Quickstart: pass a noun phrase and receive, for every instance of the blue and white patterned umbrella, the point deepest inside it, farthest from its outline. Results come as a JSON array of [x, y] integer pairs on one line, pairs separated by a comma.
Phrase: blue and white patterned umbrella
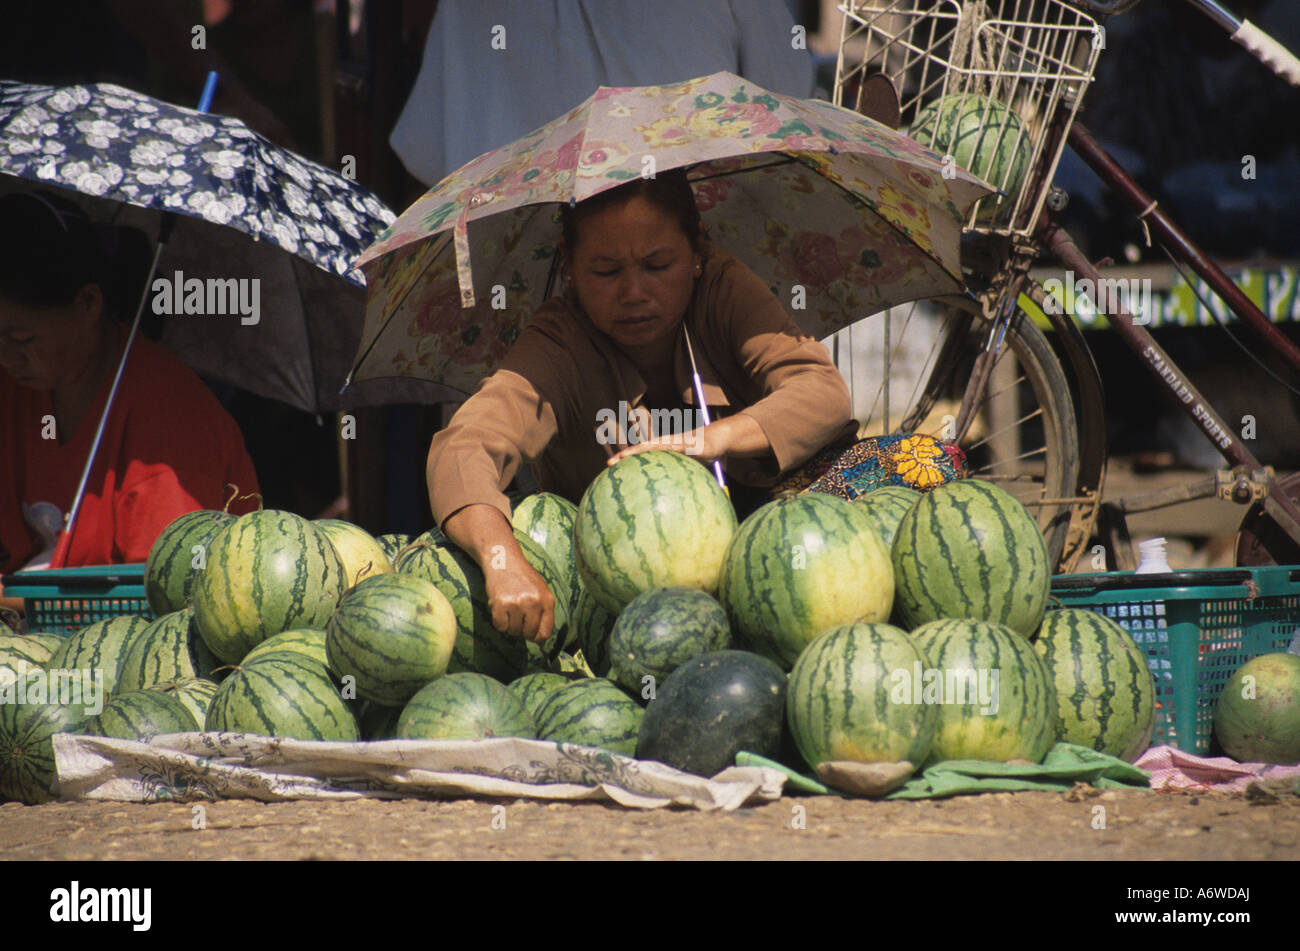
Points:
[[245, 208]]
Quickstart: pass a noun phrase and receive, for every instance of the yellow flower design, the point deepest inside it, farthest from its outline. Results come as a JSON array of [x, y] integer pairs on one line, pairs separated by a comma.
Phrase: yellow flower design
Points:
[[914, 461]]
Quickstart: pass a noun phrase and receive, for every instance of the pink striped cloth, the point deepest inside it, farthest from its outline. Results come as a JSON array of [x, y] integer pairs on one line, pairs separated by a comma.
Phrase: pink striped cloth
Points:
[[1175, 769]]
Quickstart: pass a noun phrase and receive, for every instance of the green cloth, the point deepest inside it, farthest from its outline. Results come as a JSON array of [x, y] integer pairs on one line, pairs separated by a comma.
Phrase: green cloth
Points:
[[1063, 766]]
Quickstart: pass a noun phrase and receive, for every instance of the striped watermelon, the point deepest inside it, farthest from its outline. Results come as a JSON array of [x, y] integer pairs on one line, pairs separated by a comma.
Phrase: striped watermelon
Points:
[[1257, 716], [430, 539], [886, 508], [840, 700], [1105, 694], [168, 649], [969, 549], [591, 712], [29, 650], [548, 519], [141, 714], [27, 750], [267, 572], [592, 626], [533, 689], [282, 694], [392, 545], [394, 633], [100, 646], [480, 647], [464, 706], [178, 553], [655, 520], [195, 695], [982, 135], [800, 566], [660, 630], [980, 717], [360, 553], [308, 641]]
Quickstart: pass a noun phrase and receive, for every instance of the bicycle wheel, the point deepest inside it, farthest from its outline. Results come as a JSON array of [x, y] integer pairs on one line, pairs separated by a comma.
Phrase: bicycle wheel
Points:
[[1020, 427]]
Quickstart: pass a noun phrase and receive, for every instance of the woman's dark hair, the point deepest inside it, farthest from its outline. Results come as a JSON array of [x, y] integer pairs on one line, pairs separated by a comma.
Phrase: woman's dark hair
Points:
[[669, 191], [50, 249]]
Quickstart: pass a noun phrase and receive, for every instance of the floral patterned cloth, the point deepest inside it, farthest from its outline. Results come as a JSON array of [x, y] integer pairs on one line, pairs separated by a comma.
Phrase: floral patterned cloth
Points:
[[851, 470], [841, 217]]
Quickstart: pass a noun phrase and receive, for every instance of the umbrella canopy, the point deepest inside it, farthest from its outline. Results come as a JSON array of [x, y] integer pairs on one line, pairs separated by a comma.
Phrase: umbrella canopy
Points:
[[836, 212], [247, 210]]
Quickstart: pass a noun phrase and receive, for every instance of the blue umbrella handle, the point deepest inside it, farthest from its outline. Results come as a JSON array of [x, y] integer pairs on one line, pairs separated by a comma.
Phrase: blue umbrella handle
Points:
[[209, 88]]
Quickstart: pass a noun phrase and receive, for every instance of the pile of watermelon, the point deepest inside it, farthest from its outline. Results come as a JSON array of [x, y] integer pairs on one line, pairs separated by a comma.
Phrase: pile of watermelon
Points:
[[900, 626]]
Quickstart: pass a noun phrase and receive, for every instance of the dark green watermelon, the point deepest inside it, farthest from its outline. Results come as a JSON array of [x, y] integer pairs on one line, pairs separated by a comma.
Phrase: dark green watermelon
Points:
[[660, 630], [711, 708], [592, 628]]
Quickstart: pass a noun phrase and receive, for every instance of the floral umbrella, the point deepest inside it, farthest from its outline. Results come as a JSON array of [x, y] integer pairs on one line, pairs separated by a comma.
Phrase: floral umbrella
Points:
[[246, 209], [811, 196]]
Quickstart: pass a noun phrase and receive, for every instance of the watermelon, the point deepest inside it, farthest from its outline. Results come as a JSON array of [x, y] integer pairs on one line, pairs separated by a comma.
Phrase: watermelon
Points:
[[141, 714], [27, 750], [533, 689], [592, 626], [660, 630], [392, 545], [394, 633], [1257, 717], [29, 650], [195, 695], [378, 722], [1105, 694], [168, 649], [841, 703], [100, 646], [656, 519], [267, 572], [800, 566], [968, 549], [432, 538], [480, 647], [886, 508], [982, 135], [548, 519], [591, 712], [994, 697], [308, 641], [360, 553], [464, 706], [177, 555], [282, 694], [712, 707]]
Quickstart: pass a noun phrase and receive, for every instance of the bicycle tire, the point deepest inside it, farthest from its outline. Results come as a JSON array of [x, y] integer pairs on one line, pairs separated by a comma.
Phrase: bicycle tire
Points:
[[1044, 416]]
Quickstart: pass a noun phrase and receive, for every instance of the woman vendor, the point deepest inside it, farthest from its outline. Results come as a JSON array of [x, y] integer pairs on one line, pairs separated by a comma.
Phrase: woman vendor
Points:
[[639, 278], [66, 286]]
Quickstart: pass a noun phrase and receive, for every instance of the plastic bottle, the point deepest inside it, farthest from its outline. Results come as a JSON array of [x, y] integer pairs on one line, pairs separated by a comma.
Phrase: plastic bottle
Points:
[[1151, 559]]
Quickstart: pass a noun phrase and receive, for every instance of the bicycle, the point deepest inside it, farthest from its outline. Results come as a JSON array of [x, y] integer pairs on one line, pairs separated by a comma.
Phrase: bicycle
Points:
[[1030, 416]]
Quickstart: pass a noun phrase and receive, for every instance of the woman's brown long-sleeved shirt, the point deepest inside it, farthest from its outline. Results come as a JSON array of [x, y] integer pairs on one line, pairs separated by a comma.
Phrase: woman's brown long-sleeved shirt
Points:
[[559, 387]]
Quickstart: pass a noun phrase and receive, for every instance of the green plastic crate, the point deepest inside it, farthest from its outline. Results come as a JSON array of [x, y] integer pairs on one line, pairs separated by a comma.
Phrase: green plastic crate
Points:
[[64, 600], [1196, 628]]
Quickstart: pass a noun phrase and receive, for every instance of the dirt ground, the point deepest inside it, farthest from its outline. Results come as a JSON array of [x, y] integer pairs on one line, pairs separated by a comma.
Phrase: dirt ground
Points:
[[1083, 824]]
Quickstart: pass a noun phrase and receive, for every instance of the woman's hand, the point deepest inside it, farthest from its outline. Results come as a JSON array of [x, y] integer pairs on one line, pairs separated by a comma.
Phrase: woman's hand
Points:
[[738, 435], [520, 602]]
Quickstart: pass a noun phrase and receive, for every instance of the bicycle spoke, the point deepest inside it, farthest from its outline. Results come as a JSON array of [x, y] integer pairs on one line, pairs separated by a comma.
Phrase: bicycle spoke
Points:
[[1023, 419]]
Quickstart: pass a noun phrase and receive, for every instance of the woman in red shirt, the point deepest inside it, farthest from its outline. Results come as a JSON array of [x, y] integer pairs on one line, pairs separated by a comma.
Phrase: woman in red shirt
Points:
[[66, 288]]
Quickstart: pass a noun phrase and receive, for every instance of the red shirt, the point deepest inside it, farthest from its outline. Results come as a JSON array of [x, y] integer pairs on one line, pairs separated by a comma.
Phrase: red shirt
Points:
[[169, 448]]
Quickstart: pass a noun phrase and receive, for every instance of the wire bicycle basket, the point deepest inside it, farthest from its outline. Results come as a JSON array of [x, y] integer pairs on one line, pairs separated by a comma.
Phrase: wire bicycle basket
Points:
[[979, 82]]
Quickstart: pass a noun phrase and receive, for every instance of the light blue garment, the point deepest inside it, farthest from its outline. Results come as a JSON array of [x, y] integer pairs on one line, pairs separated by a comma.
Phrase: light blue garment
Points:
[[470, 97]]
